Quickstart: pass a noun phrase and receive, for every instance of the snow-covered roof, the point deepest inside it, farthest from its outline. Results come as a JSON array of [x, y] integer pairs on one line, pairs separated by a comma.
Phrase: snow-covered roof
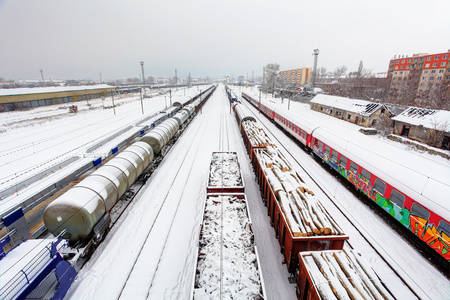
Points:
[[428, 118], [51, 89], [362, 107]]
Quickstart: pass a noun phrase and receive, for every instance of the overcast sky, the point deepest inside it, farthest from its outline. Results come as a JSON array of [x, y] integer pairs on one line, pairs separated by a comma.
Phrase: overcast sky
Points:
[[79, 39]]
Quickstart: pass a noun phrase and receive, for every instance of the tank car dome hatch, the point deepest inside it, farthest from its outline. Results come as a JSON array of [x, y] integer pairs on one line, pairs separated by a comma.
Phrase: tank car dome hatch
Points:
[[189, 109], [155, 139], [177, 104], [77, 211]]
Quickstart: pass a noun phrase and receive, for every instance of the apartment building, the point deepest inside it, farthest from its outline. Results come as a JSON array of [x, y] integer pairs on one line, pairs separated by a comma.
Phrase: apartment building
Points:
[[419, 74], [298, 77]]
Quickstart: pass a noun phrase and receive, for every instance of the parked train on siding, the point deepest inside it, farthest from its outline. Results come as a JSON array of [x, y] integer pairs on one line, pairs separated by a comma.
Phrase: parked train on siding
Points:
[[411, 192]]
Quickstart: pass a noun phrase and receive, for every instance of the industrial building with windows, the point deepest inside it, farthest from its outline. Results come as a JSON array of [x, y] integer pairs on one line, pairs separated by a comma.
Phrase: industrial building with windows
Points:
[[23, 98]]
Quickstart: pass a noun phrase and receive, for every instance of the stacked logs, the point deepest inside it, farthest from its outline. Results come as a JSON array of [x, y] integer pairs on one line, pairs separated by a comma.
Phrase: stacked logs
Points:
[[305, 214], [256, 135], [344, 275]]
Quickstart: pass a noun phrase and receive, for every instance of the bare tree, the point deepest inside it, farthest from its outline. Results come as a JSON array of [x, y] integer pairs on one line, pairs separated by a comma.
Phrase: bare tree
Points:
[[339, 71], [271, 77], [436, 133]]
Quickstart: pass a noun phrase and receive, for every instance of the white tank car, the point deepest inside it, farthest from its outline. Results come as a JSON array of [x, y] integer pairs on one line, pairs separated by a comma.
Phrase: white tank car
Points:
[[81, 208]]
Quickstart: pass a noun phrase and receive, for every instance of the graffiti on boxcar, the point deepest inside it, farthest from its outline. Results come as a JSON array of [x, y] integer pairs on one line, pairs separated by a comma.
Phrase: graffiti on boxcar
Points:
[[428, 233]]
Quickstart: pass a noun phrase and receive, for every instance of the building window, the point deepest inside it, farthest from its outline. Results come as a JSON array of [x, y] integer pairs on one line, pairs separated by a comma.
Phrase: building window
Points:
[[401, 67], [403, 61], [420, 65], [395, 73], [409, 60], [445, 56], [435, 65], [441, 71], [436, 57], [426, 71], [433, 71], [400, 72], [427, 65], [398, 61], [407, 66], [431, 78], [349, 116], [429, 58], [439, 77], [447, 77], [443, 64], [422, 84], [396, 67], [423, 78]]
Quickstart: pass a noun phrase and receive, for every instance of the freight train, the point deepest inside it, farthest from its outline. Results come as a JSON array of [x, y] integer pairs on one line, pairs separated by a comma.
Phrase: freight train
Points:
[[311, 240], [84, 210], [412, 192]]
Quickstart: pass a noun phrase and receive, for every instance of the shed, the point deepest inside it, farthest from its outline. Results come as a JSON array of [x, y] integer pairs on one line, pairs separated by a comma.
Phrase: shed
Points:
[[361, 112], [430, 126]]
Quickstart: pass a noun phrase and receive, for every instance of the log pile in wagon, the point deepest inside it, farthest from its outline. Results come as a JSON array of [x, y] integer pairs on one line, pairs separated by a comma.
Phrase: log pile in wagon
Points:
[[344, 275], [256, 135], [305, 214]]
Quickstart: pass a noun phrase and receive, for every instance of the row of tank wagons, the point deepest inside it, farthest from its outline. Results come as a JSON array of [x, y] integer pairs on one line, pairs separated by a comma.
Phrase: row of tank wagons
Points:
[[414, 214], [85, 206], [302, 225], [227, 222]]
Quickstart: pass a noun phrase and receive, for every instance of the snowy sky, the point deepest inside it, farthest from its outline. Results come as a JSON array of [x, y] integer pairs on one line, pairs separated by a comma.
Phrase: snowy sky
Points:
[[80, 39]]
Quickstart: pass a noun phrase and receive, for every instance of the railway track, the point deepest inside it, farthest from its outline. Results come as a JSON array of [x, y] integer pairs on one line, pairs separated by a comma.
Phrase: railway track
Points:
[[408, 281]]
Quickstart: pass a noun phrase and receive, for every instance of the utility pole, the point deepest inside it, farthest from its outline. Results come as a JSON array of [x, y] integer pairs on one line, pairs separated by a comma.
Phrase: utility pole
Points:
[[176, 78], [143, 77], [101, 78], [316, 53], [253, 76], [170, 93], [114, 107]]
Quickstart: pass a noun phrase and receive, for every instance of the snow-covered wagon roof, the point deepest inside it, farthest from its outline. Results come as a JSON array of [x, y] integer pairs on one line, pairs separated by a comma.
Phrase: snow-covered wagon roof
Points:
[[362, 107], [428, 118]]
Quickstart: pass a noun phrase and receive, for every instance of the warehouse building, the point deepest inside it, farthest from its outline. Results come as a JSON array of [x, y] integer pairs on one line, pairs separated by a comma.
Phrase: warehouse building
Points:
[[23, 98]]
